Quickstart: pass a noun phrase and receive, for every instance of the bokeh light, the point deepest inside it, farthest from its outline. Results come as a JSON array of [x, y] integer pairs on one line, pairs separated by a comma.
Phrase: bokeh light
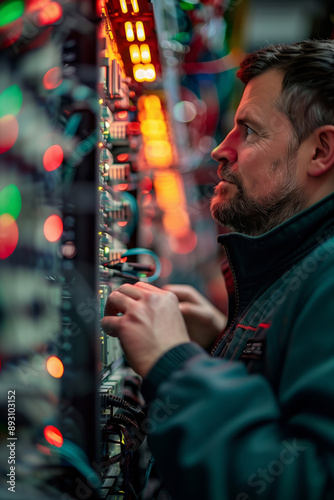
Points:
[[185, 111], [53, 228], [50, 14], [10, 201], [10, 101], [53, 157], [9, 235], [166, 267], [53, 436], [55, 367], [9, 131], [52, 78], [185, 244], [10, 10]]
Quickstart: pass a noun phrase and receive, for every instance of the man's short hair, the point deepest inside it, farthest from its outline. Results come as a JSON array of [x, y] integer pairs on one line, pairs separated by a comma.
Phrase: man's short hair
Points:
[[307, 96]]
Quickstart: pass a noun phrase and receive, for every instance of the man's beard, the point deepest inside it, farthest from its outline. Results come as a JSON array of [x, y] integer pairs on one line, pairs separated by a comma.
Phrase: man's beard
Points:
[[244, 215]]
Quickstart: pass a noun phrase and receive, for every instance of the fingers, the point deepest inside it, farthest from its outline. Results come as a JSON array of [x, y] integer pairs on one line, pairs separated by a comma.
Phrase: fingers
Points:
[[110, 325], [146, 287], [188, 309], [120, 300], [184, 293]]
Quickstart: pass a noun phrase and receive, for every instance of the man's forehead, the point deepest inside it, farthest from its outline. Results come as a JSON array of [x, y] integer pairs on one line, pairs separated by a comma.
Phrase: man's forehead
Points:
[[260, 96]]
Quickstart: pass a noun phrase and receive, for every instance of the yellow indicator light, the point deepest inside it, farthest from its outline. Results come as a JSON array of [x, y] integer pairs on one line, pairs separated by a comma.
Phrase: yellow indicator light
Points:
[[150, 74], [134, 4], [140, 31], [130, 36], [145, 53], [152, 102], [124, 7], [144, 72], [154, 128], [158, 153], [139, 72], [134, 54]]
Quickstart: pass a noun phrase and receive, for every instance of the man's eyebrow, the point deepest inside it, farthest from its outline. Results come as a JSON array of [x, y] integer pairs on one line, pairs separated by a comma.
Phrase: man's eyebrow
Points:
[[245, 118]]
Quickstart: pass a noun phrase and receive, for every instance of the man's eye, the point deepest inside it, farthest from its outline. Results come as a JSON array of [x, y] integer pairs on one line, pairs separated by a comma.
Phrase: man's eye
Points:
[[249, 130]]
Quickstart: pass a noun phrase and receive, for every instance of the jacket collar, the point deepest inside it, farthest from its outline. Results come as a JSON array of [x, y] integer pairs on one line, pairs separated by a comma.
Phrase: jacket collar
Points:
[[258, 261]]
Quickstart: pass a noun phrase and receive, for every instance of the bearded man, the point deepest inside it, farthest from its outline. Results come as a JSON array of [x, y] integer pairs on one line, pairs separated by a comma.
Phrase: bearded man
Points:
[[243, 407]]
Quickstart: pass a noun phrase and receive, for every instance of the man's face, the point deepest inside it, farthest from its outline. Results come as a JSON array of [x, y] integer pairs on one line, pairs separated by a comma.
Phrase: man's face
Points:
[[260, 167]]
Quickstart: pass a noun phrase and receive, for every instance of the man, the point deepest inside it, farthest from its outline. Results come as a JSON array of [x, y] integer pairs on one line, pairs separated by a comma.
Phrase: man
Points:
[[256, 419]]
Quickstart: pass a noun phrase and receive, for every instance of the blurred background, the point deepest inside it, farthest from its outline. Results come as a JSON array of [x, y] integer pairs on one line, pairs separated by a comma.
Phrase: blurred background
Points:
[[109, 111]]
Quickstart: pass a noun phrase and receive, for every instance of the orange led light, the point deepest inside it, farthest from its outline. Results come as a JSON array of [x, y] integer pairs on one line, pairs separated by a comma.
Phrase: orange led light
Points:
[[154, 128], [123, 5], [152, 102], [130, 36], [55, 367], [150, 73], [122, 115], [53, 228], [144, 72], [139, 72], [140, 31], [53, 436], [122, 223], [134, 54], [50, 14], [158, 153], [134, 4], [145, 53]]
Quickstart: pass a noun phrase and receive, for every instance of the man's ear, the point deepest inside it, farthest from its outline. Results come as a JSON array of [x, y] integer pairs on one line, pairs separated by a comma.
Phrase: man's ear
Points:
[[323, 152]]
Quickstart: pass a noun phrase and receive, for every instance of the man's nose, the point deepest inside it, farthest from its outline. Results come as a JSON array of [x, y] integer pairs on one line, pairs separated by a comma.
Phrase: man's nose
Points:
[[226, 151]]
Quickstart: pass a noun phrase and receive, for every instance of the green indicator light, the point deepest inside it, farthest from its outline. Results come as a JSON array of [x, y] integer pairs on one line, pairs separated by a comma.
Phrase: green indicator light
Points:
[[10, 100], [186, 6], [10, 201], [10, 11], [182, 37]]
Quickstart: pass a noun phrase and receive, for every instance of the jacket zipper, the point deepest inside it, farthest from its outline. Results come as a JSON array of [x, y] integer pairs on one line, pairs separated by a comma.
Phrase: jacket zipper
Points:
[[237, 303]]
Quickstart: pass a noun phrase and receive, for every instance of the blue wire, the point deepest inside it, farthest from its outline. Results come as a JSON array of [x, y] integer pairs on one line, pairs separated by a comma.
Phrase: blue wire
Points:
[[145, 251]]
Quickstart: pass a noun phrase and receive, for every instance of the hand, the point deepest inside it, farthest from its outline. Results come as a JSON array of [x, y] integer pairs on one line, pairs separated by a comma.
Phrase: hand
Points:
[[204, 321], [150, 325]]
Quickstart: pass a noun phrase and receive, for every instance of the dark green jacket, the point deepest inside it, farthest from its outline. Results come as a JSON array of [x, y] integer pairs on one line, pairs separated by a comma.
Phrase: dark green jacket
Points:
[[258, 424]]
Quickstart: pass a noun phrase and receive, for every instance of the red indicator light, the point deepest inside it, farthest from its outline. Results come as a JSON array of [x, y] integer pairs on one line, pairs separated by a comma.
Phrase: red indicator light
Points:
[[53, 228], [52, 78], [123, 157], [9, 235], [53, 436], [145, 185], [133, 128], [53, 157], [122, 187]]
